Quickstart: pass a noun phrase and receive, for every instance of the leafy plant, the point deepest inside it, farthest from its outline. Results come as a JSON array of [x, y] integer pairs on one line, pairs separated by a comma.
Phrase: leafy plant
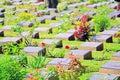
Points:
[[75, 70], [82, 29], [12, 48], [10, 69], [44, 74], [37, 62], [28, 39], [101, 22], [61, 7]]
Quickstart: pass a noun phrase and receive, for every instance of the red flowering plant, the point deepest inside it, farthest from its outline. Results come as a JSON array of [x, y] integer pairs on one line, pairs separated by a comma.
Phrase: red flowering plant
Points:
[[67, 47], [43, 44], [82, 29], [74, 71]]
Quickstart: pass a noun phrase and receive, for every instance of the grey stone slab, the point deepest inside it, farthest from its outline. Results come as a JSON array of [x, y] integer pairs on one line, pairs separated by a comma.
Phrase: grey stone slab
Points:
[[115, 28], [2, 15], [103, 38], [17, 3], [50, 17], [34, 35], [65, 36], [117, 54], [113, 6], [11, 39], [42, 29], [40, 19], [20, 10], [79, 54], [31, 50], [114, 14], [109, 32], [90, 13], [2, 10], [63, 62], [54, 25], [58, 43], [67, 12], [112, 65], [7, 27], [92, 6], [97, 46], [25, 24], [71, 31], [17, 0], [52, 10], [104, 77], [73, 5]]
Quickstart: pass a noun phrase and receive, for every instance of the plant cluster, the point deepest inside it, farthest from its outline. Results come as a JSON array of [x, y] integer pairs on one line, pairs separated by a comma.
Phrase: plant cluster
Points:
[[44, 74], [10, 69], [62, 6], [75, 70], [101, 23], [82, 29]]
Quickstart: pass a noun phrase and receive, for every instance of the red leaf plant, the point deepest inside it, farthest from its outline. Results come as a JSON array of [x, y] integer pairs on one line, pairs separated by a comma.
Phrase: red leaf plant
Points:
[[82, 31]]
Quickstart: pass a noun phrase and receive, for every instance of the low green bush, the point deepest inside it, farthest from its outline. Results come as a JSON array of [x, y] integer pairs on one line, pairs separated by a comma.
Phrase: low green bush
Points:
[[10, 69]]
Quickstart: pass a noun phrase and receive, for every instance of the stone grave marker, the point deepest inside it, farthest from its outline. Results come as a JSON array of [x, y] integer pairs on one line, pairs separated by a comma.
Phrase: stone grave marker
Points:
[[111, 68], [102, 38], [2, 10], [65, 36], [109, 32], [11, 39], [43, 30], [64, 62], [79, 54], [116, 56], [34, 35], [104, 77], [50, 17], [7, 27], [35, 51], [58, 43], [92, 6], [40, 19], [93, 46], [25, 24]]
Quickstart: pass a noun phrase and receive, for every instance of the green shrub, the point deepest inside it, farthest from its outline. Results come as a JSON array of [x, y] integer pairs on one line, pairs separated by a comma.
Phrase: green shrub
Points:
[[101, 22], [10, 69], [61, 7]]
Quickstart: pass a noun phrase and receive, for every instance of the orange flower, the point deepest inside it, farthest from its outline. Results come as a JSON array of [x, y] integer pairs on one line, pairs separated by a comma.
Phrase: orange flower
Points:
[[40, 14], [31, 76], [43, 44]]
